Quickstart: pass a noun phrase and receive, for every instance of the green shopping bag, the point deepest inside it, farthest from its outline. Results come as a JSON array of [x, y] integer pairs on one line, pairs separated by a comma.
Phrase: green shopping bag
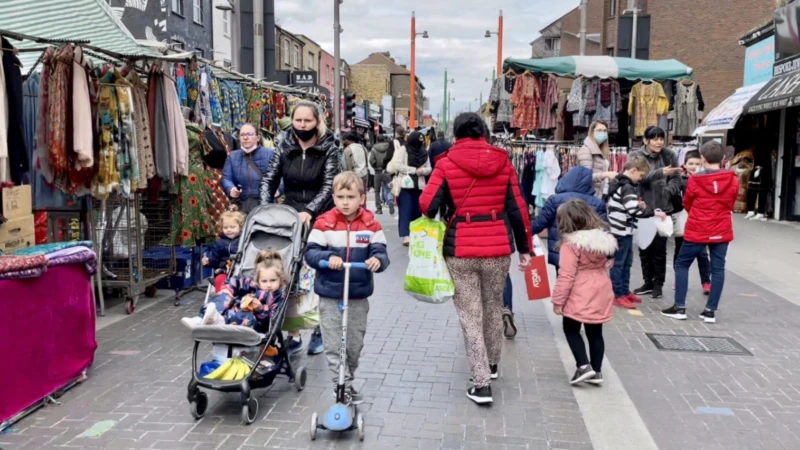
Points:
[[427, 278]]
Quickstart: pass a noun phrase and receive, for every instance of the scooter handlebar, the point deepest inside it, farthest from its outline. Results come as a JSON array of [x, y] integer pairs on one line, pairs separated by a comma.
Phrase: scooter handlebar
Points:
[[325, 265]]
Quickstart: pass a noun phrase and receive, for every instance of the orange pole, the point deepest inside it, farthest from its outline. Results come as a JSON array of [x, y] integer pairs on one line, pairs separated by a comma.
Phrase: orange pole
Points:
[[500, 43], [412, 110]]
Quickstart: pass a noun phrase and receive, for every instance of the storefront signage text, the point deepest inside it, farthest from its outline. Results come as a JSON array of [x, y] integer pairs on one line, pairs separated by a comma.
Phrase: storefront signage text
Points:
[[758, 61], [788, 66]]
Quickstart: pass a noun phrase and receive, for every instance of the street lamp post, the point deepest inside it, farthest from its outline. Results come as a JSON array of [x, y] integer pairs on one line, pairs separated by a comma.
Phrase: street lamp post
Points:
[[412, 113], [499, 34], [633, 9], [446, 106]]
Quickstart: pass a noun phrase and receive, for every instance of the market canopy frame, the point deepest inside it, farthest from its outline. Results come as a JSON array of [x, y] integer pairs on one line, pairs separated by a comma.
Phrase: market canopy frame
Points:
[[603, 67]]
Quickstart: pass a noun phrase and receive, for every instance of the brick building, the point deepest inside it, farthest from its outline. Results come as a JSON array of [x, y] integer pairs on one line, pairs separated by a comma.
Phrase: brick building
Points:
[[288, 50], [704, 38], [370, 82], [398, 84]]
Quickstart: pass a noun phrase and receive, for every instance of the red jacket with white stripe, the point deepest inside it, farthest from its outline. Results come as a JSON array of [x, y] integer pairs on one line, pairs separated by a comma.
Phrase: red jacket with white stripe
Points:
[[709, 199], [492, 216]]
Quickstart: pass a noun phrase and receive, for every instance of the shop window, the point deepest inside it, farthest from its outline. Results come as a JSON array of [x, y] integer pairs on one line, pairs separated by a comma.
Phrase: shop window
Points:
[[197, 11], [177, 7]]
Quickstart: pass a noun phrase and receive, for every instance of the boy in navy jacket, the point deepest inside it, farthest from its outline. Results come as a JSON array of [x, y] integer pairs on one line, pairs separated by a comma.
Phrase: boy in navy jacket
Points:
[[347, 233]]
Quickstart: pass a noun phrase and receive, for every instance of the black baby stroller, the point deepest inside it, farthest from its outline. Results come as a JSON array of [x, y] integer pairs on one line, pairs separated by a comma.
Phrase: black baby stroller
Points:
[[275, 227]]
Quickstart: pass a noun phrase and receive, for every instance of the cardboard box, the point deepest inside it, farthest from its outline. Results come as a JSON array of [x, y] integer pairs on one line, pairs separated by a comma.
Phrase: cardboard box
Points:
[[17, 233], [17, 202]]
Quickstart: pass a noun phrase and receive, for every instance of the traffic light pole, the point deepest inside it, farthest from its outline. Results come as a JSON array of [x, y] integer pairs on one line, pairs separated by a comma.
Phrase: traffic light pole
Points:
[[337, 79]]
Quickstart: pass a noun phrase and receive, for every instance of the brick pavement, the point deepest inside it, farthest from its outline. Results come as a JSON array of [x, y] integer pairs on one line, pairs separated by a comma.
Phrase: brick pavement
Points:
[[413, 372], [754, 400]]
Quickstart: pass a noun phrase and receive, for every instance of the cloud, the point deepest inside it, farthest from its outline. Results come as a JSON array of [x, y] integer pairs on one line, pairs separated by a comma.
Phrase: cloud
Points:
[[456, 29]]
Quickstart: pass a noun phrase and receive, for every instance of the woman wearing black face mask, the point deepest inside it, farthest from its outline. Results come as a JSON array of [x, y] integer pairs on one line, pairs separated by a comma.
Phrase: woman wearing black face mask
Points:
[[307, 160]]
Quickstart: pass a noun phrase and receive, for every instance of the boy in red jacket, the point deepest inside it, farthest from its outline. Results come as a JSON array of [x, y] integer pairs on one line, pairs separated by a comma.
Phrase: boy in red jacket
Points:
[[709, 199]]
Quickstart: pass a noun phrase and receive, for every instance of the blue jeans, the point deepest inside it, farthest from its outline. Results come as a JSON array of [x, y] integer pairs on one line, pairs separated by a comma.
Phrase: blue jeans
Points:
[[689, 252], [621, 272], [409, 210], [507, 294]]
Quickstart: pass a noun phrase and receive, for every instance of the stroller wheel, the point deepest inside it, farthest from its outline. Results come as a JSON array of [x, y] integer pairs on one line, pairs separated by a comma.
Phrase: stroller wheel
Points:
[[249, 411], [199, 405], [360, 425], [300, 378], [314, 425]]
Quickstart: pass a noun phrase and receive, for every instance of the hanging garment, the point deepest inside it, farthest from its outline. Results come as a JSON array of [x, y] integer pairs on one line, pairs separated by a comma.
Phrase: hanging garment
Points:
[[30, 108], [604, 100], [255, 105], [57, 110], [147, 168], [528, 176], [687, 102], [526, 102], [576, 102], [219, 146], [550, 174], [537, 184], [203, 107], [225, 97], [190, 220], [180, 149], [107, 178], [18, 164], [548, 102], [5, 171], [42, 159], [160, 127], [193, 88], [274, 109], [214, 97], [238, 105], [127, 158], [82, 139], [502, 99], [183, 95], [650, 101]]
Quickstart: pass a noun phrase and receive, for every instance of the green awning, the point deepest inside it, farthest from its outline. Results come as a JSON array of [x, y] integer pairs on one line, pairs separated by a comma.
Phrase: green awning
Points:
[[69, 20], [603, 67]]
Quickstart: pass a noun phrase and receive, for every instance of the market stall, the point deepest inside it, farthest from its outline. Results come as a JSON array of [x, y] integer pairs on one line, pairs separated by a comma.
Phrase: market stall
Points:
[[559, 97]]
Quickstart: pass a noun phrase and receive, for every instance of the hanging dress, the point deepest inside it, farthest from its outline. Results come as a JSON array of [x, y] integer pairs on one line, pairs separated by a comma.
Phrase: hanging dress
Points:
[[191, 220]]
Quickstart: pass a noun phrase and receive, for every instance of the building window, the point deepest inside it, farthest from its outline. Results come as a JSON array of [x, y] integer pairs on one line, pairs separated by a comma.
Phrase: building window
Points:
[[178, 45], [226, 30], [610, 51], [310, 61], [327, 74], [226, 63], [199, 52], [286, 51], [177, 7], [554, 45], [296, 57], [613, 9], [197, 11]]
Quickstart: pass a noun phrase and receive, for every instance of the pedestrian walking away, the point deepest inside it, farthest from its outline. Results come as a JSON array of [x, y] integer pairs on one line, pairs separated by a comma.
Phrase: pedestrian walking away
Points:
[[710, 197], [583, 293], [487, 216], [306, 160], [379, 158]]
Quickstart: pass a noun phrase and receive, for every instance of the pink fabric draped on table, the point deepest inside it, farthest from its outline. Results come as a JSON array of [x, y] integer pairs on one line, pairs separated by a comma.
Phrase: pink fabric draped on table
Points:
[[46, 335]]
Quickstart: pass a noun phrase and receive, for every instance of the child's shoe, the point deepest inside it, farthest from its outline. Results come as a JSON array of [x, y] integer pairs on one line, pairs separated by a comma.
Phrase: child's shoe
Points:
[[624, 302], [192, 322], [706, 288], [634, 298], [509, 327], [212, 316], [294, 346], [708, 316], [316, 346], [657, 292], [644, 290], [750, 215], [355, 397]]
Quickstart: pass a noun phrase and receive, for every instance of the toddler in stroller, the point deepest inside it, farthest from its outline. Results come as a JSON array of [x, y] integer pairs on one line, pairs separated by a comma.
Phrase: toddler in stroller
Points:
[[219, 257], [248, 302]]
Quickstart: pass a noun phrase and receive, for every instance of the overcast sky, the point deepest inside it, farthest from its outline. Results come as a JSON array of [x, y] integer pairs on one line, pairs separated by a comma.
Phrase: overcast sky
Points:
[[456, 42]]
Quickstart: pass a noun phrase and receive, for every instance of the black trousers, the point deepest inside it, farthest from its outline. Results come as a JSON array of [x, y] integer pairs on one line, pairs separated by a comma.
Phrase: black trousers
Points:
[[757, 196], [654, 261], [594, 334]]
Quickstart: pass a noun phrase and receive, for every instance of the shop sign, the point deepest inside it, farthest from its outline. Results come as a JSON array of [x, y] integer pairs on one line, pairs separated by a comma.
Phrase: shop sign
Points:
[[725, 116], [304, 78], [779, 93], [361, 112], [758, 61]]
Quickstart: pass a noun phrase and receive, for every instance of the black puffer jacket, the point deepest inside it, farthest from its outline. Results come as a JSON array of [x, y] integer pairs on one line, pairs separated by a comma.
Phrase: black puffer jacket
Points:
[[657, 190], [307, 178]]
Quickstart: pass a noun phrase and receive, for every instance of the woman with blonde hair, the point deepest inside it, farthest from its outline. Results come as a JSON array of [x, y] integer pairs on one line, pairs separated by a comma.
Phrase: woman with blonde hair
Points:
[[307, 160], [594, 155]]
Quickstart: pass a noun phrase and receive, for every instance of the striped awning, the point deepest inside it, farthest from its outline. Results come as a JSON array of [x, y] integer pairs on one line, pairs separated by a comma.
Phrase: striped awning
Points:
[[69, 20]]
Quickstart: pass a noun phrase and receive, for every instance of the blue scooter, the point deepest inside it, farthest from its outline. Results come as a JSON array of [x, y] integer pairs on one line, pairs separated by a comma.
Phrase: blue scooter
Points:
[[341, 416]]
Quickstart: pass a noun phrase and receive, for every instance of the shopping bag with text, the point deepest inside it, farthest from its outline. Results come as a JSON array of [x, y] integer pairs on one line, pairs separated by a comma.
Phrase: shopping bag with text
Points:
[[536, 279], [427, 278]]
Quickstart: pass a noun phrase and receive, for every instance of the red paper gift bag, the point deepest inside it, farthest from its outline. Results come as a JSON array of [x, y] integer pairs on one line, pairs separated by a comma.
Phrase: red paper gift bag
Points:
[[537, 280]]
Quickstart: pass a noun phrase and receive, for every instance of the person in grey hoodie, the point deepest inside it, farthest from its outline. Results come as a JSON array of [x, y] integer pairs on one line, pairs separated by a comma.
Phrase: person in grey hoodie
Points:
[[657, 190], [379, 158]]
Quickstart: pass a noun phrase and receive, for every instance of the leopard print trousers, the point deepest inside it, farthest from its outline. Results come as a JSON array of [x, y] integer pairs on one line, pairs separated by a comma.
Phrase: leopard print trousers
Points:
[[478, 299]]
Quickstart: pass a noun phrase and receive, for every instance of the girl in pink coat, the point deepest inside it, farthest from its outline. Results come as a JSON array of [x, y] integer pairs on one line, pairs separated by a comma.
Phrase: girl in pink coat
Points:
[[583, 294]]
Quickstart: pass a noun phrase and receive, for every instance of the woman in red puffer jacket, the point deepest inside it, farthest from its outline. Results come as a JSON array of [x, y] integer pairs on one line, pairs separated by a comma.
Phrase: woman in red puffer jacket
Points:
[[486, 217]]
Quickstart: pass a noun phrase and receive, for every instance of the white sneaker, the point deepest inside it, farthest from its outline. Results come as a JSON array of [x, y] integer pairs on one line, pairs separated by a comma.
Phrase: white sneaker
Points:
[[750, 215], [212, 316], [192, 322], [760, 217]]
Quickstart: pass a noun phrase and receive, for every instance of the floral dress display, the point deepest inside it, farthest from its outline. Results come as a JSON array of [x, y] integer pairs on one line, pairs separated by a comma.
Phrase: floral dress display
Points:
[[190, 219]]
